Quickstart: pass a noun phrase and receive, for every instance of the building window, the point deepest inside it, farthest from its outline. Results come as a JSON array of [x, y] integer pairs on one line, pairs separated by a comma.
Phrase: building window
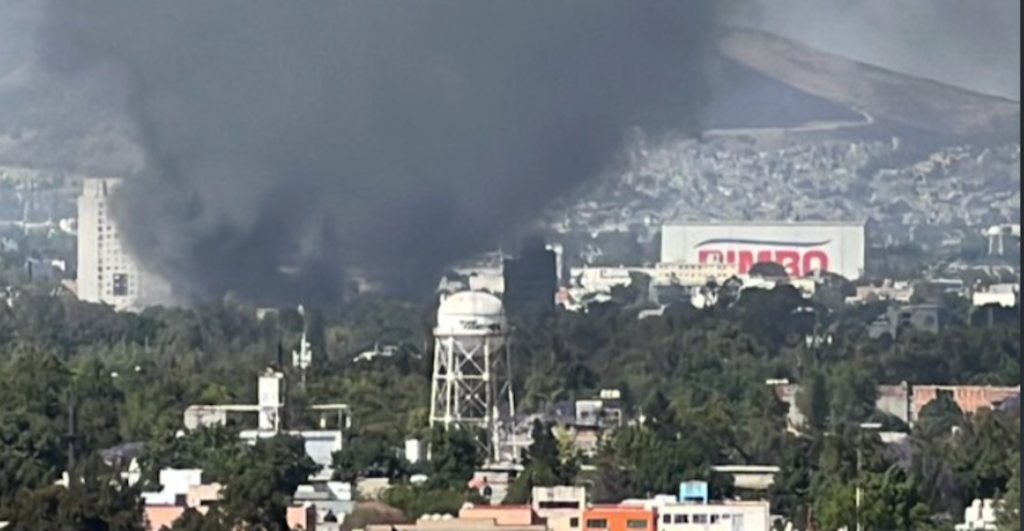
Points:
[[714, 519], [700, 519], [682, 519], [636, 524], [121, 285], [599, 523], [667, 519], [574, 523]]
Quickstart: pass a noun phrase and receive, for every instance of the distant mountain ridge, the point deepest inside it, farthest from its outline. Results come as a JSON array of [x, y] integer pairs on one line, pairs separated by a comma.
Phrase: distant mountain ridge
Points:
[[767, 82], [884, 95]]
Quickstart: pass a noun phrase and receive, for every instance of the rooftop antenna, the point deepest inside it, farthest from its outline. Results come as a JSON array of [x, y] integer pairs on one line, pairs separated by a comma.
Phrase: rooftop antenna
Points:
[[303, 358]]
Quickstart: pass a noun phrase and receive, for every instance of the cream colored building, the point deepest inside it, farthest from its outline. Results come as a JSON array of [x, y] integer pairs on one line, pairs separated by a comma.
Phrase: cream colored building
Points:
[[561, 508], [107, 273]]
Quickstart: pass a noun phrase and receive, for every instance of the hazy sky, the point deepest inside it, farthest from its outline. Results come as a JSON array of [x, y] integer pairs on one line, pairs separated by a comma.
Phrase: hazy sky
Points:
[[974, 44]]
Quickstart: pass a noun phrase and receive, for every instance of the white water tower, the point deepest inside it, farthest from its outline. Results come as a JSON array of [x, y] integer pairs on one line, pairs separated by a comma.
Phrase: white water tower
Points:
[[471, 383]]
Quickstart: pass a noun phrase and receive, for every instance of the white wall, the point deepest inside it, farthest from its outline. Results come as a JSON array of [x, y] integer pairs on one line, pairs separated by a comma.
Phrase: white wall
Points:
[[753, 516], [844, 245]]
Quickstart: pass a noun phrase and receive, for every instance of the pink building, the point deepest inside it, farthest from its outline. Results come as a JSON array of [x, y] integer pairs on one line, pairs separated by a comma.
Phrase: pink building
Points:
[[182, 490], [501, 515], [163, 516]]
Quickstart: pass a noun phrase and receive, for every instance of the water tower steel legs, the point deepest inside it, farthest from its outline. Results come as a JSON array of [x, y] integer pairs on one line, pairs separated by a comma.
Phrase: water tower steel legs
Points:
[[470, 381]]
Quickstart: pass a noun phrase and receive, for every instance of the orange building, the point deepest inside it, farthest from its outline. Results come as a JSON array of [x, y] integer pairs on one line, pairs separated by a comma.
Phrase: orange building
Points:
[[619, 518]]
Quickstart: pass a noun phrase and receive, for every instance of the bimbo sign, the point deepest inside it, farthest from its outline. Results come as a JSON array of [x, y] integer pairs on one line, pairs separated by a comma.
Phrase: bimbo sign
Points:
[[799, 259]]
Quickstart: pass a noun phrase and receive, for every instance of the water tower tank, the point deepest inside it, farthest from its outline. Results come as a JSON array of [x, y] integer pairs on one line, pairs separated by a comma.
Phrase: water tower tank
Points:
[[472, 314]]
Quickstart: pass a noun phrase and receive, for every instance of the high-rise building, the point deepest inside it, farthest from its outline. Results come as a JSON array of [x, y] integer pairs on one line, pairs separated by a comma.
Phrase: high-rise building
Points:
[[531, 281], [107, 273]]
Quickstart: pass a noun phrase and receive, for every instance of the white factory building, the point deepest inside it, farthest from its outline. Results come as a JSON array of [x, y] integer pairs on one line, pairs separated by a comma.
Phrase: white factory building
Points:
[[107, 273], [801, 248]]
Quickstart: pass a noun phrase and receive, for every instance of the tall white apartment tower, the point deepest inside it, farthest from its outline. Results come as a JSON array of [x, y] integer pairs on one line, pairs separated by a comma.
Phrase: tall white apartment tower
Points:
[[107, 274]]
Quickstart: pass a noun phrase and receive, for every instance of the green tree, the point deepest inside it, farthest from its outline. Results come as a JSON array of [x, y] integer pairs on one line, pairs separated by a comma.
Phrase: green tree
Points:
[[612, 482], [983, 453], [791, 493], [659, 416], [259, 493], [543, 466], [892, 502], [853, 393], [1009, 514], [835, 504], [940, 416], [94, 500], [455, 456], [813, 401], [368, 455], [216, 450], [416, 501], [192, 520]]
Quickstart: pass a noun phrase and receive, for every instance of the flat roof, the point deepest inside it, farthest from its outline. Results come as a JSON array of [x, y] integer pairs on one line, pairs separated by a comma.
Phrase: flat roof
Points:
[[852, 223]]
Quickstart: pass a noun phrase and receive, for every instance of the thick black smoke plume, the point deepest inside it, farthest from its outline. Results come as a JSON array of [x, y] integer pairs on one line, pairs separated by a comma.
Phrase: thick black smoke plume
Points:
[[289, 142]]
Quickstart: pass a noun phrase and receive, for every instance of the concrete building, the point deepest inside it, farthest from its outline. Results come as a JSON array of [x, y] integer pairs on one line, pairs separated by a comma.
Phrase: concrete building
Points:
[[971, 399], [107, 273], [800, 248], [320, 444], [731, 516], [693, 274], [926, 318], [1002, 295], [531, 281], [982, 515], [473, 518], [181, 490], [893, 400], [750, 477], [333, 501], [562, 508], [521, 516], [900, 292], [905, 402], [693, 510]]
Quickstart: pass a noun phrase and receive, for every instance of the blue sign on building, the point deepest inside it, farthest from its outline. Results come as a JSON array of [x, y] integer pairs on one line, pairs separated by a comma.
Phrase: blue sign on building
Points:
[[694, 492]]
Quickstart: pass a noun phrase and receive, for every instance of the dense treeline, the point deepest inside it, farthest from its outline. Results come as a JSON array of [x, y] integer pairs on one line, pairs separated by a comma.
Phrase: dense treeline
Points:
[[698, 378]]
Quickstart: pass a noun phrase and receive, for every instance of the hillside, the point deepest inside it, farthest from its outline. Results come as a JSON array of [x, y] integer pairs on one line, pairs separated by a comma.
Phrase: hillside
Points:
[[887, 97]]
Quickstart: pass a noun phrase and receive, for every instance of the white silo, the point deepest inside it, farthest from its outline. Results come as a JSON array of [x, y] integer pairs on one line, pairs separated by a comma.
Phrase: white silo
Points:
[[471, 381]]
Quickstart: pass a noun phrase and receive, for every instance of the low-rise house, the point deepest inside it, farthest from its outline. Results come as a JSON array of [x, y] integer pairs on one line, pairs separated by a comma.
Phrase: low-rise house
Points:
[[182, 490]]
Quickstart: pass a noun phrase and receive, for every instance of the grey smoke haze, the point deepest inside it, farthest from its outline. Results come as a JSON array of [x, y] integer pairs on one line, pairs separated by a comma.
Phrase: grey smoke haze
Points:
[[384, 135], [974, 44]]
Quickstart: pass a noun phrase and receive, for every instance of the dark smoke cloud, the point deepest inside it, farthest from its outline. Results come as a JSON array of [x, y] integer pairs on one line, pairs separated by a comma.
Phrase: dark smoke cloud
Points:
[[388, 135], [974, 44]]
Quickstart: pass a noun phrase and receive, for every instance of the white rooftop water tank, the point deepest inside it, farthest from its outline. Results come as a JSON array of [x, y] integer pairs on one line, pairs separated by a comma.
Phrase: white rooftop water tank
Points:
[[472, 314]]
